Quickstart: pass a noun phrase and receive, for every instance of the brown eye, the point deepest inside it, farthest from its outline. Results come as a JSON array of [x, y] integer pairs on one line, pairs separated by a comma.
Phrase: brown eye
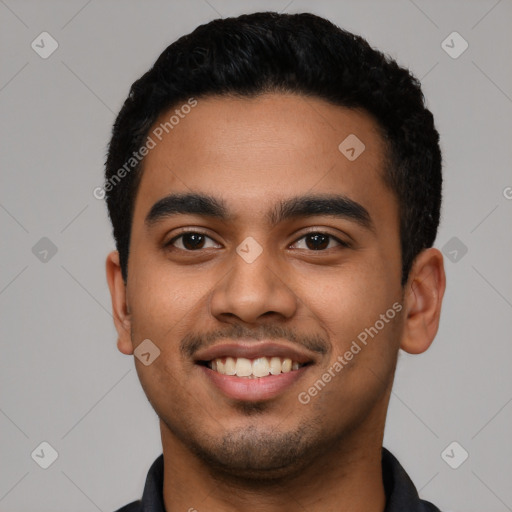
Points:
[[320, 241], [317, 241], [190, 241]]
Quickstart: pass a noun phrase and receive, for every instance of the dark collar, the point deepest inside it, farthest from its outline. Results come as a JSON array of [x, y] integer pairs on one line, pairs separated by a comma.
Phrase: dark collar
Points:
[[401, 495]]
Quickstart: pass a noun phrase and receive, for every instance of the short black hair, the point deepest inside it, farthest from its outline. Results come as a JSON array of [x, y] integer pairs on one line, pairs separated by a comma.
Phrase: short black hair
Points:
[[301, 53]]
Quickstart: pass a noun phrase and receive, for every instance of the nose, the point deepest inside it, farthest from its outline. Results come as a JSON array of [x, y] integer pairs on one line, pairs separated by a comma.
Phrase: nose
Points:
[[253, 290]]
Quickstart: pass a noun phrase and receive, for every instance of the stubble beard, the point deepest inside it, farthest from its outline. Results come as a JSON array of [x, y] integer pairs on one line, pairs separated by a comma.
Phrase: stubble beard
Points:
[[255, 455]]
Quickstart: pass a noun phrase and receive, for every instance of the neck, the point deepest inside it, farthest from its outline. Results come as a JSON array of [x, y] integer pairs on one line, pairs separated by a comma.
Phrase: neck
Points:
[[348, 477]]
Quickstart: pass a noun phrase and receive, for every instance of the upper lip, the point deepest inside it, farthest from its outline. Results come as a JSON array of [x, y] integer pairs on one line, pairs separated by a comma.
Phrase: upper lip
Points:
[[254, 349]]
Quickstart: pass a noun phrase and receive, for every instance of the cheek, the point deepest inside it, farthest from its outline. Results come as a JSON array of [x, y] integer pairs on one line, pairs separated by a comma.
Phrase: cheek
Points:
[[162, 297], [364, 350], [163, 306], [357, 306]]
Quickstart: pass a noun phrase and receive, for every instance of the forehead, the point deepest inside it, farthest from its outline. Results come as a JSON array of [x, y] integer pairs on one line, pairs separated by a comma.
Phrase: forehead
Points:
[[252, 152]]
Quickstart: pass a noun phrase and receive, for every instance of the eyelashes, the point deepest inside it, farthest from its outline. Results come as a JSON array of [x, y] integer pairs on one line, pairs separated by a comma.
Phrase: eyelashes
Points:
[[194, 238], [194, 241]]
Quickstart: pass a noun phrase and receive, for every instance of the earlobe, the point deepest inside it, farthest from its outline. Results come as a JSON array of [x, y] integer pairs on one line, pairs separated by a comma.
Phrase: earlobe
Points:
[[423, 299], [120, 307]]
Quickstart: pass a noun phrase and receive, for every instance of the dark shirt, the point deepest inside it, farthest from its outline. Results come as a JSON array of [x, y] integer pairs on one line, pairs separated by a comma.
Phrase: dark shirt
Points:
[[401, 495]]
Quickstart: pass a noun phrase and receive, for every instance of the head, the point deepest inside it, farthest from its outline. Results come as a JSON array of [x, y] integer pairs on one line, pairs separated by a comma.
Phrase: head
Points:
[[290, 140]]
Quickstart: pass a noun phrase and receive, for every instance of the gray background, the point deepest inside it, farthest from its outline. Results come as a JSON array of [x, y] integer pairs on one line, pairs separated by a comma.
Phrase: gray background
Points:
[[62, 379]]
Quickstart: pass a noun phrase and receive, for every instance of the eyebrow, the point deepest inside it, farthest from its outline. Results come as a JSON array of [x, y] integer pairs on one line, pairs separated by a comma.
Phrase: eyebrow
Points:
[[331, 205]]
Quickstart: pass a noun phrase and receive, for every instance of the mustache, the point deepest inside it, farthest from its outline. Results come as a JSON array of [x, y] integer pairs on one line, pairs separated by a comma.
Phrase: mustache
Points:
[[192, 342]]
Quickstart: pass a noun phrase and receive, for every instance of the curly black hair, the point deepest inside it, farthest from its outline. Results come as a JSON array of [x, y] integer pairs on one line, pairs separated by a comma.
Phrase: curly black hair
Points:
[[301, 53]]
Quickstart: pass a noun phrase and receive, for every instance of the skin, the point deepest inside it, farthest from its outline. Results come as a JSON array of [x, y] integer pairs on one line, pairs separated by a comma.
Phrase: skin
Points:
[[278, 454]]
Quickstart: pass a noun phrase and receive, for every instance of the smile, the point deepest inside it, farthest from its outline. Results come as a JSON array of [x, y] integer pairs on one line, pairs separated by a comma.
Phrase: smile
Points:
[[250, 370], [253, 368]]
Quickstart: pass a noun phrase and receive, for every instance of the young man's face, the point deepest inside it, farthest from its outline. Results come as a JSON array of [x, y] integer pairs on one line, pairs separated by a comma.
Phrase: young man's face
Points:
[[191, 296]]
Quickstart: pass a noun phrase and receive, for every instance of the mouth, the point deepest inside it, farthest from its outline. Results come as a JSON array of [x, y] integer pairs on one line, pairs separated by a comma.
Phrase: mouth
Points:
[[258, 368], [253, 371]]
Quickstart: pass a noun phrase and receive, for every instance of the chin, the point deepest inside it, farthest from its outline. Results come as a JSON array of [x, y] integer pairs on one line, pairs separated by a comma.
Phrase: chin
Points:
[[260, 454]]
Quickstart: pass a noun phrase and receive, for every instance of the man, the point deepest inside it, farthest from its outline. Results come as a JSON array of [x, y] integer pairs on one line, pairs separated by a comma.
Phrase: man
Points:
[[274, 186]]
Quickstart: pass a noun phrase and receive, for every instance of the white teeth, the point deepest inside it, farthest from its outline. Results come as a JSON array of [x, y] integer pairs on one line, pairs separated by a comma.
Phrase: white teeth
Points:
[[229, 366], [260, 367], [287, 366], [243, 367], [275, 366]]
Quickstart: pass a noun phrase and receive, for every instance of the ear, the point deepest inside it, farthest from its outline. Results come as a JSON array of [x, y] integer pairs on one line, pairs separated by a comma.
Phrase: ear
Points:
[[423, 298], [120, 309]]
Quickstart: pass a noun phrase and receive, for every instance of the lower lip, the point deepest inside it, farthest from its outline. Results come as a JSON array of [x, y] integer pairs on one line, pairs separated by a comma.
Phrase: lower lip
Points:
[[255, 389]]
